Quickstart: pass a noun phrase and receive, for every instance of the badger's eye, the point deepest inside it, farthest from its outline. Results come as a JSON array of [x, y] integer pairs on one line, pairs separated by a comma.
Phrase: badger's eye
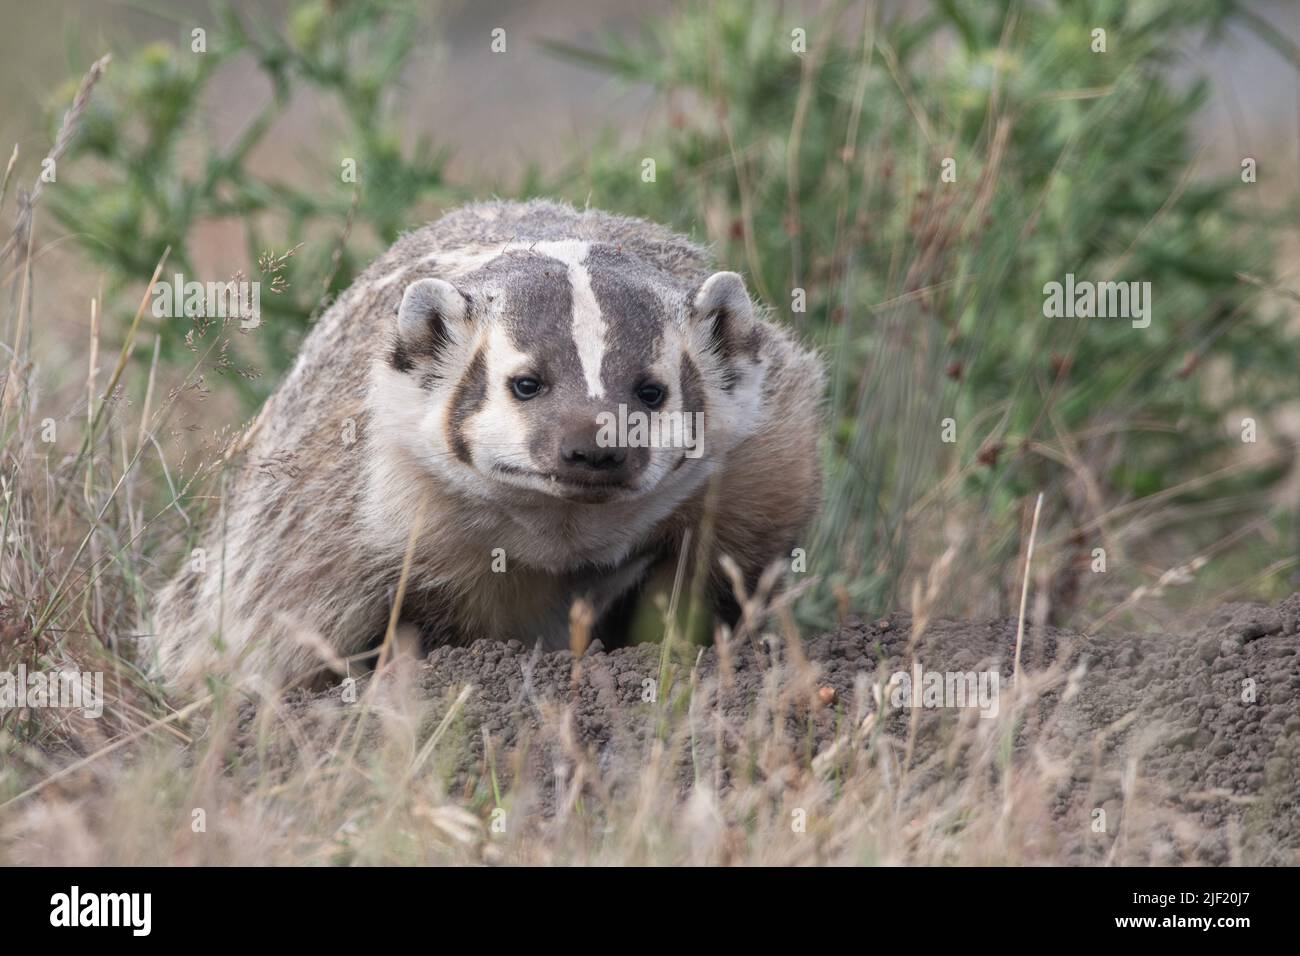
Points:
[[526, 388], [652, 395]]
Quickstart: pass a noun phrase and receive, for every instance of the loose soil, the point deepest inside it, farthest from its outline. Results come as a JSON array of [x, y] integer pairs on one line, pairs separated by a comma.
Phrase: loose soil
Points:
[[1172, 710]]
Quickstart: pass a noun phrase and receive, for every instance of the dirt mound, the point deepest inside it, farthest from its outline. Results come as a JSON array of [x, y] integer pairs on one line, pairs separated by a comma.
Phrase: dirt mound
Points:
[[1204, 726]]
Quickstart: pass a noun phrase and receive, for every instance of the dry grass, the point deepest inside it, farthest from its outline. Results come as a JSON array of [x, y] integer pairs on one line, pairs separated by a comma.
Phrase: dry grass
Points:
[[368, 785], [206, 782], [92, 521], [371, 783]]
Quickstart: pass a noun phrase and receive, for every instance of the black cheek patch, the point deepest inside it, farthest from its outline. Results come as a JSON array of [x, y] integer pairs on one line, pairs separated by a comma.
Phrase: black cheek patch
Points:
[[399, 358], [468, 398], [732, 346], [692, 386], [720, 339]]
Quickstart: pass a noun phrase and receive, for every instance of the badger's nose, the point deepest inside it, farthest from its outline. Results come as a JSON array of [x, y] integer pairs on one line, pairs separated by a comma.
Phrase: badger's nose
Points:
[[581, 452]]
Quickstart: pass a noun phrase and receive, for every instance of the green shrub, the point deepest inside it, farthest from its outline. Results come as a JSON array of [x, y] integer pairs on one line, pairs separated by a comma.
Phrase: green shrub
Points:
[[159, 177], [820, 171]]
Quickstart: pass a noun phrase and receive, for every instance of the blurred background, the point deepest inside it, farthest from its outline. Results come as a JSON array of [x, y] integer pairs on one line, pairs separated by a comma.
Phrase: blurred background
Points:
[[805, 143], [502, 114]]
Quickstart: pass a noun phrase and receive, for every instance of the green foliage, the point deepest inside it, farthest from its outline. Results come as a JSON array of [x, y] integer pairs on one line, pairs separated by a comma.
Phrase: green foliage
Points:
[[820, 171], [155, 178]]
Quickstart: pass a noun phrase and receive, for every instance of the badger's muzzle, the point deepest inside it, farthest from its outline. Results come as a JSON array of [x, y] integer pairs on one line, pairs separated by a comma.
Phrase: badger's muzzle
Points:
[[586, 455]]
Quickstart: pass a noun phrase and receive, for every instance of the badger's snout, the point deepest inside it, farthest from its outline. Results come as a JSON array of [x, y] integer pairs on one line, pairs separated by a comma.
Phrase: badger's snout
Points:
[[581, 450], [590, 454]]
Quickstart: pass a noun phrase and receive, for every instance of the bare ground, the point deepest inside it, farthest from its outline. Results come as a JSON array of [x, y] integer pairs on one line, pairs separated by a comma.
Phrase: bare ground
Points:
[[1159, 721]]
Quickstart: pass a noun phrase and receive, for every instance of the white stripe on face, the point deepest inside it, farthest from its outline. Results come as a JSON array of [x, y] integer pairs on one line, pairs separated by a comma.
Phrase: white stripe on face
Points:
[[588, 323]]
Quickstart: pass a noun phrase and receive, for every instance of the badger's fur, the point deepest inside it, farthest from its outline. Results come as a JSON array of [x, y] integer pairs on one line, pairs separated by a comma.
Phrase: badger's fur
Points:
[[460, 379]]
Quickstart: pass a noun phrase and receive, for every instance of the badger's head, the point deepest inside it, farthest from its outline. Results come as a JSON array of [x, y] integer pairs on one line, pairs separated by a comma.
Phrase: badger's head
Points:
[[574, 371]]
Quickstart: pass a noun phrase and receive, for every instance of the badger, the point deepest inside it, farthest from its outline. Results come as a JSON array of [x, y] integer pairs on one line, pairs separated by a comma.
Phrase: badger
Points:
[[455, 428]]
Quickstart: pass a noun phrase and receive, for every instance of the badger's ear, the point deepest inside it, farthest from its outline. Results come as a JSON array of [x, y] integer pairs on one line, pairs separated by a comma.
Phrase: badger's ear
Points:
[[723, 314], [430, 307]]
